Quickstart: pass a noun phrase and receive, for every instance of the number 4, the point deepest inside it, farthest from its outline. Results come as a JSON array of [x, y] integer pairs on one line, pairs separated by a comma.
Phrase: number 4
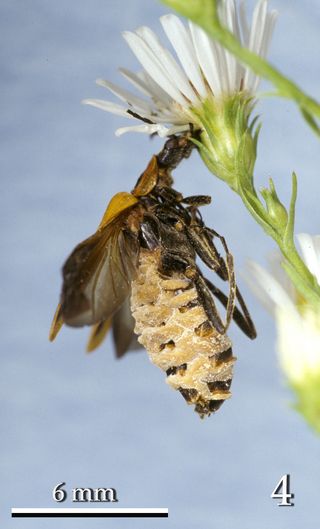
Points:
[[285, 495]]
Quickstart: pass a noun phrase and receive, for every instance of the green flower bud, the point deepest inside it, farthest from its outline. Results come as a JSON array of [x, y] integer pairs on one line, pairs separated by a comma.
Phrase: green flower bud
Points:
[[227, 143], [276, 210]]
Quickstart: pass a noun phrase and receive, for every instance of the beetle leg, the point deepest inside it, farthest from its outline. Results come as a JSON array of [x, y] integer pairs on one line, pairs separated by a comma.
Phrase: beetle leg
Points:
[[201, 238], [208, 304], [168, 194], [242, 319], [231, 303], [206, 249], [226, 271], [196, 201]]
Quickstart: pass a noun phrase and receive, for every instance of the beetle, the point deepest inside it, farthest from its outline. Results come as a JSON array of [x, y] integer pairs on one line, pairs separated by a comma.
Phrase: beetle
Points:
[[139, 273]]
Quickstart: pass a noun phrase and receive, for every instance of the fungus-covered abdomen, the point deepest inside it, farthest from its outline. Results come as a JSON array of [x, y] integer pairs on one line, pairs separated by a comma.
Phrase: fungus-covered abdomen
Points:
[[173, 327]]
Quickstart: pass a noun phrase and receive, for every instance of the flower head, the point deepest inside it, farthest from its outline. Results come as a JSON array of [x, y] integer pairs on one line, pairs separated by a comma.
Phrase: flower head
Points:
[[298, 326], [175, 90]]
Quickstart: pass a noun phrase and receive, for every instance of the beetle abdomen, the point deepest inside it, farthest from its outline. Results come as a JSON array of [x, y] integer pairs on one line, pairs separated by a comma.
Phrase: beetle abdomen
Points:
[[173, 327]]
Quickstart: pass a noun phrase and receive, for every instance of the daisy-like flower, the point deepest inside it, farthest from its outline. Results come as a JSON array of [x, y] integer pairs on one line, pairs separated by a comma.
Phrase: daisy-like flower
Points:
[[298, 326], [204, 87]]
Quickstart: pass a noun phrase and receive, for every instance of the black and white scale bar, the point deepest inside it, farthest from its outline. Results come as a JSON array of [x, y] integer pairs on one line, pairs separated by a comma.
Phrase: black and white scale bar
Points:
[[88, 513]]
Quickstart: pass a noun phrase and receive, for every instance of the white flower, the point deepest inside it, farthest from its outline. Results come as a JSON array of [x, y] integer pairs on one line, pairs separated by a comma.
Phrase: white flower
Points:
[[204, 70], [298, 323]]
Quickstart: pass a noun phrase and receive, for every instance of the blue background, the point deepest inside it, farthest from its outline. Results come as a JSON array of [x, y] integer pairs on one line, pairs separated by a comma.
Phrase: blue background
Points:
[[90, 420]]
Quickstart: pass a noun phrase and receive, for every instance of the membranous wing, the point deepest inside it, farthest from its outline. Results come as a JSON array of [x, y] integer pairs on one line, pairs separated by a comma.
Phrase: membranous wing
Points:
[[97, 275]]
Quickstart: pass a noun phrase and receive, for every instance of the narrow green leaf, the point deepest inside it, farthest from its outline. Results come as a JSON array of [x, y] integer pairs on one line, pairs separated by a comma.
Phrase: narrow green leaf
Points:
[[311, 121], [196, 10], [288, 238]]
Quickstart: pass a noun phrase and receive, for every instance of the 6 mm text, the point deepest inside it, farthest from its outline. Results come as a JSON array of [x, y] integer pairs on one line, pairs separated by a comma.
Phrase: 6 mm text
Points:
[[84, 494]]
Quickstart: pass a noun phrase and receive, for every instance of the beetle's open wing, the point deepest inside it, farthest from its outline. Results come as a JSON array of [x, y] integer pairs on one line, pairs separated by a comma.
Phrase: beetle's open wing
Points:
[[98, 333], [123, 330], [97, 275], [122, 324], [56, 324]]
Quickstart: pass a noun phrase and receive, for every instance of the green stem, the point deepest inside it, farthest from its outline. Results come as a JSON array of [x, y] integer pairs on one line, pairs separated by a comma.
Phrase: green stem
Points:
[[295, 267]]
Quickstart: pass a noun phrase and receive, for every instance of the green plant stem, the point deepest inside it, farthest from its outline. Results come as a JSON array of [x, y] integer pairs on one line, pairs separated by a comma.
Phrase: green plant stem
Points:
[[294, 266]]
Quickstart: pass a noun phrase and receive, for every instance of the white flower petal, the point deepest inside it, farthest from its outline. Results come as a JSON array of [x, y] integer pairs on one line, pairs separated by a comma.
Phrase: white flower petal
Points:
[[177, 129], [256, 39], [182, 43], [299, 345], [221, 58], [268, 289], [168, 63], [136, 81], [175, 90], [145, 129], [207, 57], [264, 45], [257, 27], [279, 274], [316, 243], [108, 106], [233, 67], [139, 104], [310, 248], [269, 27], [245, 29], [158, 94], [151, 64]]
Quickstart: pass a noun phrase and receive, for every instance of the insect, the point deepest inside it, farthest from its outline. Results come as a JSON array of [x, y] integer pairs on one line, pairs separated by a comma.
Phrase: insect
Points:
[[141, 263]]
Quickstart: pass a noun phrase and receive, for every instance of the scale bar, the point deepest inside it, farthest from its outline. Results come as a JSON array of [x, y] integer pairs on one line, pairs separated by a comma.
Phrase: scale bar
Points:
[[88, 513]]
